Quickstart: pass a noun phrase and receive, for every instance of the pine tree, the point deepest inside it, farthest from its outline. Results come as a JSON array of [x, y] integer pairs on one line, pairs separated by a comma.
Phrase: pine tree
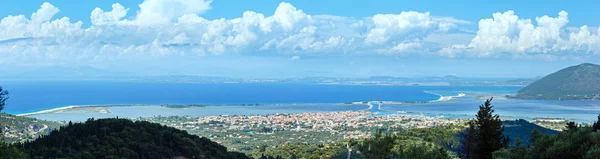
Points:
[[571, 126], [489, 130], [596, 125], [467, 143]]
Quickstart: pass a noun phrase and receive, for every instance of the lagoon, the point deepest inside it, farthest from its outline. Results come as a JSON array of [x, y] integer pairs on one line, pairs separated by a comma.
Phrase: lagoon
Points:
[[226, 99]]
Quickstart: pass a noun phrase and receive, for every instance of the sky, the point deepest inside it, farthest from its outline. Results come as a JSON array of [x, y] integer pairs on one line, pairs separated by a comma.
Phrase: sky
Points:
[[297, 38]]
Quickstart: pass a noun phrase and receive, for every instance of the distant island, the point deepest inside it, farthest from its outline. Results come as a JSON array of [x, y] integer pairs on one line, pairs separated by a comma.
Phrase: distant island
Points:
[[581, 82]]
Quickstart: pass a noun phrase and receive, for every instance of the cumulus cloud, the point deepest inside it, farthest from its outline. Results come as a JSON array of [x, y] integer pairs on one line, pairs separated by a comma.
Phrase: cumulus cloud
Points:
[[507, 34], [38, 25], [394, 26], [99, 17], [165, 11], [176, 28]]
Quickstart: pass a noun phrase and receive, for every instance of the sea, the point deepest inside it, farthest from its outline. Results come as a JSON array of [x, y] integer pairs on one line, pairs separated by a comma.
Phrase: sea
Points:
[[233, 98]]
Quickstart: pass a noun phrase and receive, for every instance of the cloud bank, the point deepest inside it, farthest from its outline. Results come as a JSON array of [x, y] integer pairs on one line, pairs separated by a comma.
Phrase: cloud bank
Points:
[[507, 34], [176, 28]]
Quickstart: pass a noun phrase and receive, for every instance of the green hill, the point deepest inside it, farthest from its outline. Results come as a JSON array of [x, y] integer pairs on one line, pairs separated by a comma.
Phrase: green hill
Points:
[[19, 129], [121, 138], [522, 129], [581, 82]]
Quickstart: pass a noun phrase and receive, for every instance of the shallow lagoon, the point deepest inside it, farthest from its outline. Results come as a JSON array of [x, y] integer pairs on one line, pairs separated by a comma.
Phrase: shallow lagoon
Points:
[[582, 111], [149, 111], [32, 96], [458, 107]]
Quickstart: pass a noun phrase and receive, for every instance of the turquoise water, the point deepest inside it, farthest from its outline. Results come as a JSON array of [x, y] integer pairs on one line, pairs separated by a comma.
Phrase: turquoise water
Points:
[[466, 107], [33, 96]]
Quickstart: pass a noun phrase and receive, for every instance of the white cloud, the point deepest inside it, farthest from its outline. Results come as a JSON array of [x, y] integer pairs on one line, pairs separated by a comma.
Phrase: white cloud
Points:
[[294, 58], [165, 11], [176, 28], [507, 34], [45, 13], [405, 47], [38, 25], [395, 26], [99, 17]]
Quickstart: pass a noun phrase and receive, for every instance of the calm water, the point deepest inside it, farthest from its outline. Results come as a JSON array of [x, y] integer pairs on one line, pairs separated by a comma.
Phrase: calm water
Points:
[[32, 96], [582, 111]]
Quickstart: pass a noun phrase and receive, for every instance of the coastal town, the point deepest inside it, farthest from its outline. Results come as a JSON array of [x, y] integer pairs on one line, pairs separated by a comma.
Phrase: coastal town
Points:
[[245, 132]]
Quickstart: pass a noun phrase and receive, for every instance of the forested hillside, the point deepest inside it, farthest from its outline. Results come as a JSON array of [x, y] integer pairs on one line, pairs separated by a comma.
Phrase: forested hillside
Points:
[[121, 138]]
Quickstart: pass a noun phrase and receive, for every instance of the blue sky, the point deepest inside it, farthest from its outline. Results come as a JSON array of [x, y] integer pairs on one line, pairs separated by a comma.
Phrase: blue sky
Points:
[[270, 38], [462, 9]]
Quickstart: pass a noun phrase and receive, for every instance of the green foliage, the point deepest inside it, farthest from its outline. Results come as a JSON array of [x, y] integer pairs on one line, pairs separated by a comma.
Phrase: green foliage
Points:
[[413, 143], [467, 144], [378, 147], [398, 146], [302, 150], [575, 143], [489, 129], [10, 152], [440, 135], [3, 98], [522, 129], [484, 135], [596, 125], [571, 126], [121, 138]]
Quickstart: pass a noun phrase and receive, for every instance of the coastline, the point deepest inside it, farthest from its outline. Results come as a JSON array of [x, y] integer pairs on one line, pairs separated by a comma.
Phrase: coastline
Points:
[[73, 108], [105, 109], [446, 106], [445, 98]]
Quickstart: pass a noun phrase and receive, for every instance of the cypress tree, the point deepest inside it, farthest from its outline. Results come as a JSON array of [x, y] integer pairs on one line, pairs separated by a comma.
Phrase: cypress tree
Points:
[[571, 126], [467, 144], [489, 130], [596, 125]]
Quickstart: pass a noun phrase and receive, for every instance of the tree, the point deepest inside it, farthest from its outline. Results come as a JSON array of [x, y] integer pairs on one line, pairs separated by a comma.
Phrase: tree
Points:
[[571, 126], [10, 152], [3, 98], [122, 138], [467, 143], [378, 147], [489, 131], [596, 125], [535, 136], [517, 152]]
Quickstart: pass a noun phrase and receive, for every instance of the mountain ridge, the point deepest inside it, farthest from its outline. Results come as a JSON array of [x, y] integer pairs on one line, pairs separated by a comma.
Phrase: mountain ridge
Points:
[[579, 82]]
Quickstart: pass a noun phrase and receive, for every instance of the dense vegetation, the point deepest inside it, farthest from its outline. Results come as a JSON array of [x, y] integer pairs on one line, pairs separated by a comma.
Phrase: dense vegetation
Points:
[[121, 138], [521, 130], [484, 135], [415, 143], [573, 143], [302, 150], [572, 83], [401, 147]]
